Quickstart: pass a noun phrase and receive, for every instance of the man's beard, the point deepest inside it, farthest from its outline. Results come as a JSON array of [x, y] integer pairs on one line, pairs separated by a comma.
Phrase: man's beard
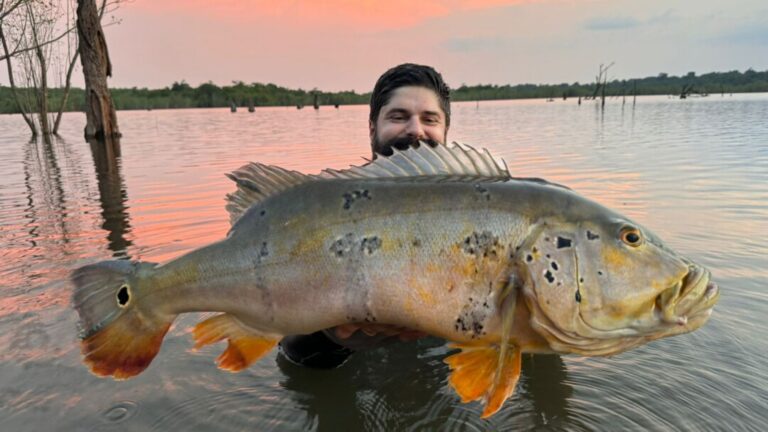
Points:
[[400, 143]]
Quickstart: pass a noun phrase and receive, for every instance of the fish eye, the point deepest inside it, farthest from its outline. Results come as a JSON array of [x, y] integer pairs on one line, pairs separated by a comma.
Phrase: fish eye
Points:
[[631, 236]]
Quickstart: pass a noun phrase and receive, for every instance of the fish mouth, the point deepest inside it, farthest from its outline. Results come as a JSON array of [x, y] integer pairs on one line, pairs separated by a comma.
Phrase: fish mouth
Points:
[[689, 300]]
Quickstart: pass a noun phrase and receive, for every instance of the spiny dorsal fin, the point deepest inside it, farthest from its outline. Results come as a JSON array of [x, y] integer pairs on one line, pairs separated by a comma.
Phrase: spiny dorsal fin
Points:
[[457, 160], [256, 182]]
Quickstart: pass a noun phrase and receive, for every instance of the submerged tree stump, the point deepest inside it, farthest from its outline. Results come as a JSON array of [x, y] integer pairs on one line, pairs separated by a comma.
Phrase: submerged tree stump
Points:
[[101, 120]]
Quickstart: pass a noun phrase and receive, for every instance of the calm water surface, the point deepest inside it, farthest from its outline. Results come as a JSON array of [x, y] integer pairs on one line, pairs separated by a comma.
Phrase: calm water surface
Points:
[[694, 171]]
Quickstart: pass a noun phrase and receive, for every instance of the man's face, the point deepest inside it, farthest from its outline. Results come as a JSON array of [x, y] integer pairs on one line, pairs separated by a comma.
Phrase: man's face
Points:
[[412, 114]]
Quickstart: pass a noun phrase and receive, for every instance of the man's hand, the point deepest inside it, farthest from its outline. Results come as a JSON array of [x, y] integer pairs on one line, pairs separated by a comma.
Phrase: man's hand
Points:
[[404, 334]]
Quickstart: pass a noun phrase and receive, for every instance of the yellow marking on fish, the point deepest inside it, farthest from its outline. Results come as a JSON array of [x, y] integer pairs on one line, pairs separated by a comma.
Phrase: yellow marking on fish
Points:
[[426, 296], [312, 243], [388, 244], [614, 257], [179, 275], [433, 268], [409, 308]]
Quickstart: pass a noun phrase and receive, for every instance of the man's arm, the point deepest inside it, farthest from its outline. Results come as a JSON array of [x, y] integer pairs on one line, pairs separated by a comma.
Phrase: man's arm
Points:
[[330, 348]]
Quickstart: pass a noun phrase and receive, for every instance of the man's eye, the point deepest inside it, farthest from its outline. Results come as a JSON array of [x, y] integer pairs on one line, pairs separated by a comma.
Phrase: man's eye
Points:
[[431, 121]]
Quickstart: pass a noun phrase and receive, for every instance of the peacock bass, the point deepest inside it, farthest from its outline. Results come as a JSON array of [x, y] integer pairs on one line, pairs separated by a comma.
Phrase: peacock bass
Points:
[[441, 240]]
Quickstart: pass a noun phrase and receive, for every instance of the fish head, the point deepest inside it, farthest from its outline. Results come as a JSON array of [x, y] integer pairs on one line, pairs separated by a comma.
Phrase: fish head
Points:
[[604, 284]]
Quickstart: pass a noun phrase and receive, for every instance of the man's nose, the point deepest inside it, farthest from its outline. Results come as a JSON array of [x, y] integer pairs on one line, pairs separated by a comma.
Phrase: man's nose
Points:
[[414, 128]]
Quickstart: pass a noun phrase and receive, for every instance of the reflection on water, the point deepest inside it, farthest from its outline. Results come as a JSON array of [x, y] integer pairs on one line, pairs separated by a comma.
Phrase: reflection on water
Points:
[[694, 171], [112, 195]]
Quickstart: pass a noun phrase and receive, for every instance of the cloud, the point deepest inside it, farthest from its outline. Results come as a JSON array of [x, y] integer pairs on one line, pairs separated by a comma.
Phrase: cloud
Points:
[[474, 44], [629, 22], [754, 35], [615, 23]]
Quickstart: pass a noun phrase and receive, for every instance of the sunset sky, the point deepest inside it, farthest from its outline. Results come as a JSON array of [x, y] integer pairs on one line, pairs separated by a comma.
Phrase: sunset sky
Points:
[[346, 44]]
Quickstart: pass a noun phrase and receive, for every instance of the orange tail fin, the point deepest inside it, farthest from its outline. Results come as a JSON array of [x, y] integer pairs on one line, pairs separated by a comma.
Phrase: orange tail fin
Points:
[[119, 336], [245, 346]]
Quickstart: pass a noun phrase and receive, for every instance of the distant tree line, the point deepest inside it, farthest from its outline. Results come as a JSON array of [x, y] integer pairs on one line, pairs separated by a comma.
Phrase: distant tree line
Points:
[[209, 95], [749, 81]]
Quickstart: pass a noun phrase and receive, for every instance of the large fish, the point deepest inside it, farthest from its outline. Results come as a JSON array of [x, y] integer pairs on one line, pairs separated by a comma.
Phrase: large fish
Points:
[[440, 240]]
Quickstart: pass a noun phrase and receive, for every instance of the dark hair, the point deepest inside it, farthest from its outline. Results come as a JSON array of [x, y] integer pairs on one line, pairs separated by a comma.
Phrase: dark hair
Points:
[[409, 74]]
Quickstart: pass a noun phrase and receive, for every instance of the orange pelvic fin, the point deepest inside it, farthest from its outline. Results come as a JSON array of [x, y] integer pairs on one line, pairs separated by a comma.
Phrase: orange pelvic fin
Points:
[[485, 372], [245, 346], [125, 347]]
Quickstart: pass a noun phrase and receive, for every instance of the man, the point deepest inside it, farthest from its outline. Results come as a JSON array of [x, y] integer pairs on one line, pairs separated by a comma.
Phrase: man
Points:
[[410, 103]]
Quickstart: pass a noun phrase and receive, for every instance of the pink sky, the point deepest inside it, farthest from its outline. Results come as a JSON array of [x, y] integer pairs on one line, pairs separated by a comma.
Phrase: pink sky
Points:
[[347, 44]]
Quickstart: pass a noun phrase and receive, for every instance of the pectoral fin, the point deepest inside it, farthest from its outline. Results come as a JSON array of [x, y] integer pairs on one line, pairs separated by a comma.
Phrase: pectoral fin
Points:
[[489, 372], [484, 372], [245, 345]]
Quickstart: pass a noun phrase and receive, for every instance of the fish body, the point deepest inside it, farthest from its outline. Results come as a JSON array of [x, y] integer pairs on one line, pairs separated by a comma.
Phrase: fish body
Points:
[[441, 240]]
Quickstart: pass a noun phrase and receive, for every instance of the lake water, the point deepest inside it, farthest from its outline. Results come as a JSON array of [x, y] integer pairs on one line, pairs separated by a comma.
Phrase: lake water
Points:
[[695, 171]]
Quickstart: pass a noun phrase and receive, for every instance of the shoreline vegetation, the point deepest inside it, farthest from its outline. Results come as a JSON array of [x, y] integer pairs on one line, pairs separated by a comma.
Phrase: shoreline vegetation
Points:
[[240, 94]]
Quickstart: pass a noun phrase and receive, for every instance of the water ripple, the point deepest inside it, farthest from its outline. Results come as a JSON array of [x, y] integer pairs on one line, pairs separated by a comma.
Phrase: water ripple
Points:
[[694, 171]]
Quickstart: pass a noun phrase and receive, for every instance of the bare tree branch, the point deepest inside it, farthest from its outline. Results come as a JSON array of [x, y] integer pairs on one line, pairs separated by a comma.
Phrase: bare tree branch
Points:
[[42, 44], [24, 113], [11, 8]]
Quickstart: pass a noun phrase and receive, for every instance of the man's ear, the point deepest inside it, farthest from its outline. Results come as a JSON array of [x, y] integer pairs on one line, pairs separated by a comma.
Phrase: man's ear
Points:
[[371, 129]]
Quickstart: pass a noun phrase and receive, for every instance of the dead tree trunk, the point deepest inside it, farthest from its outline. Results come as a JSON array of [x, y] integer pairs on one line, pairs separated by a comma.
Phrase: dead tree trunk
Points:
[[101, 120]]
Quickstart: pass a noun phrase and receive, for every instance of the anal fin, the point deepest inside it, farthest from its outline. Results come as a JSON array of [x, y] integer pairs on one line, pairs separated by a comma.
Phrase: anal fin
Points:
[[244, 345], [485, 372]]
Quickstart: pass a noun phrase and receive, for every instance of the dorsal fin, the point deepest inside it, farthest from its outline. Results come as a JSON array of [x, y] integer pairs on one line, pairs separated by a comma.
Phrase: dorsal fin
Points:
[[457, 160], [256, 182]]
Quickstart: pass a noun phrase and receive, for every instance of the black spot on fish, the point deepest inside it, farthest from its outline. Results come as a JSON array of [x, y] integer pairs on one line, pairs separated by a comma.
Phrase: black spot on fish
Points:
[[123, 296], [343, 245], [264, 250], [459, 325], [554, 266], [369, 318], [472, 318], [416, 242], [563, 242], [599, 272], [477, 328], [592, 236], [578, 297], [529, 258], [581, 280], [483, 244], [548, 275], [549, 256], [262, 213], [370, 244], [479, 188], [351, 197]]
